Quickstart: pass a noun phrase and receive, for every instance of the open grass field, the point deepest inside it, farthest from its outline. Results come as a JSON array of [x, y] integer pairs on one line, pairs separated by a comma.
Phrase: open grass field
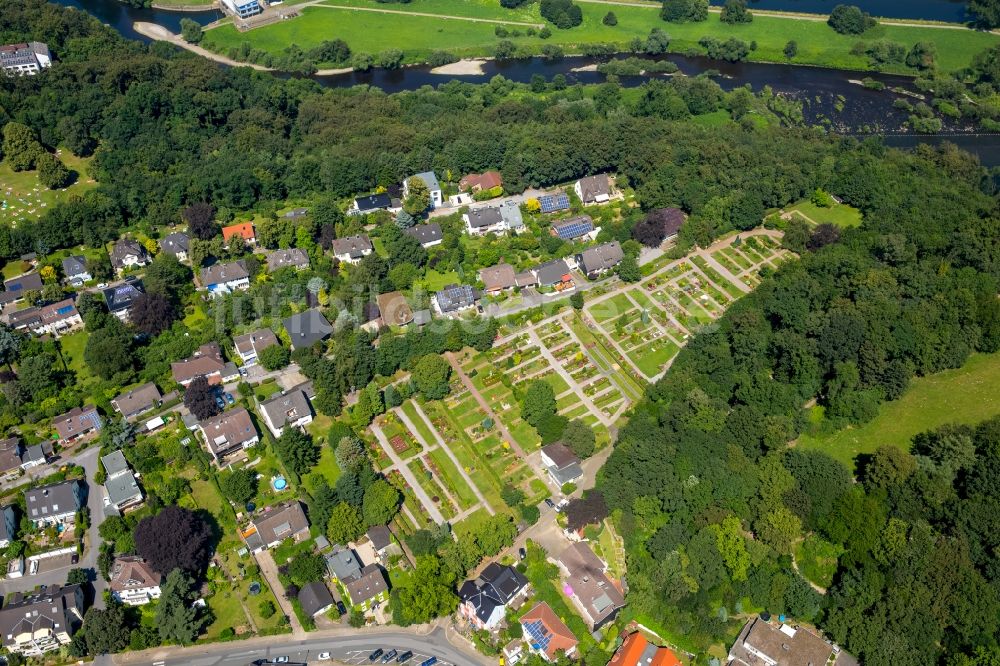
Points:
[[967, 395], [23, 198], [842, 215], [418, 36]]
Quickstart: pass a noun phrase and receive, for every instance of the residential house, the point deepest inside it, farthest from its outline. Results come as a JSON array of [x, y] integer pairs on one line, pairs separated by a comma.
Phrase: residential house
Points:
[[77, 423], [368, 588], [352, 249], [8, 526], [133, 581], [122, 489], [555, 274], [510, 211], [178, 244], [477, 182], [552, 203], [546, 634], [15, 288], [220, 279], [480, 221], [342, 564], [244, 230], [250, 345], [128, 253], [573, 228], [597, 596], [525, 279], [75, 270], [497, 279], [596, 261], [762, 643], [35, 455], [307, 328], [380, 538], [11, 450], [635, 650], [55, 319], [206, 362], [275, 524], [485, 599], [43, 621], [593, 189], [561, 463], [229, 433], [120, 298], [24, 59], [294, 257], [370, 318], [54, 504], [394, 309], [422, 317], [454, 298], [370, 203], [428, 235], [315, 598], [287, 410], [243, 8], [138, 400], [433, 187]]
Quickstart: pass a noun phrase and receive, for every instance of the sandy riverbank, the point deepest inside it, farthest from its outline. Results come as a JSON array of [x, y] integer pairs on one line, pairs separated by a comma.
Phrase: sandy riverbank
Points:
[[468, 67], [585, 68]]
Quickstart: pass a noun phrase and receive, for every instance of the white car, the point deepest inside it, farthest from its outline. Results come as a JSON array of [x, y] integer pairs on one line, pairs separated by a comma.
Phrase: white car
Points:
[[102, 285], [323, 656]]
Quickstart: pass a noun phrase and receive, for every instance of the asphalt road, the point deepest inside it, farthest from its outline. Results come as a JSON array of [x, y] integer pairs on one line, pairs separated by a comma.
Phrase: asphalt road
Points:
[[351, 648], [95, 501]]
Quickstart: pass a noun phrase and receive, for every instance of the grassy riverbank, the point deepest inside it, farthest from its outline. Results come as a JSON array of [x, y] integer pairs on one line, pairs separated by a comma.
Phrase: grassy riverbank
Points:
[[471, 32]]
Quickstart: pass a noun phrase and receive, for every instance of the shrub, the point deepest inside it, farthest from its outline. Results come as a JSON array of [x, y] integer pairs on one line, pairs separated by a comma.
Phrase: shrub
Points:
[[610, 19], [735, 11], [850, 20], [791, 49], [684, 11]]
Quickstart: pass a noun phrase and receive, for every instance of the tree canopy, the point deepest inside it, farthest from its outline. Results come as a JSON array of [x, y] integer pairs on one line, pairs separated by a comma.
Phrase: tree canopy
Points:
[[174, 538]]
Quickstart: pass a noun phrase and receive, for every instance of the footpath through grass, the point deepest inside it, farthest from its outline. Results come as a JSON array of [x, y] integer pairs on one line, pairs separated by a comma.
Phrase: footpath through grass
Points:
[[418, 36], [967, 395]]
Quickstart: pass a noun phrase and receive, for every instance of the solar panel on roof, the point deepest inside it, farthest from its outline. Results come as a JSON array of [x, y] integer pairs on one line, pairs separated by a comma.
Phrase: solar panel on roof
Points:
[[575, 229], [552, 202]]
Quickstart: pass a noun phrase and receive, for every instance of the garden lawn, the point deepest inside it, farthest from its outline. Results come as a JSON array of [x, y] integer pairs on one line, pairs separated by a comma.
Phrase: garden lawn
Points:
[[449, 474], [841, 215], [418, 36], [967, 395], [435, 281], [73, 346], [23, 202]]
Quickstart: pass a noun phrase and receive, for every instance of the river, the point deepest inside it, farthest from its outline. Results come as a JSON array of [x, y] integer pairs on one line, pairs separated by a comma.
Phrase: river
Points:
[[827, 96], [927, 10]]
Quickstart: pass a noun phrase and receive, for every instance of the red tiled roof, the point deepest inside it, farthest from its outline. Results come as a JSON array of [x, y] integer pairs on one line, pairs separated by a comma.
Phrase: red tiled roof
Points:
[[244, 229]]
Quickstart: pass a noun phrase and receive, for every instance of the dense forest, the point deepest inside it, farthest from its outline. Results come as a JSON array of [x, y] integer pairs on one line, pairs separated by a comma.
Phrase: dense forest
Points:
[[703, 484]]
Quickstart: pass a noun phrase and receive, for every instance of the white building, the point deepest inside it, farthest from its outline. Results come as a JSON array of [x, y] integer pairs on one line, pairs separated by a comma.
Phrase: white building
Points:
[[286, 410], [433, 187], [24, 59], [134, 582]]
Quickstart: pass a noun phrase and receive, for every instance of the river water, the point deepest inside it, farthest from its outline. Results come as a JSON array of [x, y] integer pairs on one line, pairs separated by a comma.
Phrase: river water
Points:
[[828, 97], [928, 10]]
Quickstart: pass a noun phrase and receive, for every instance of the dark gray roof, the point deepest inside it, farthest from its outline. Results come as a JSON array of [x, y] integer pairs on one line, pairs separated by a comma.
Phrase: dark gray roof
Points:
[[484, 217], [49, 608], [595, 186], [127, 247], [53, 500], [37, 453], [23, 283], [315, 597], [601, 258], [137, 400], [455, 297], [551, 272], [122, 488], [429, 179], [120, 297], [426, 233], [496, 586], [287, 407], [74, 265], [373, 202], [368, 585], [175, 243], [307, 328], [380, 536]]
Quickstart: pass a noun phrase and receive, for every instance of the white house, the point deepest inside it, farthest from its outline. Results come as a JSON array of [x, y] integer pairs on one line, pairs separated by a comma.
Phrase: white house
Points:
[[352, 249], [593, 189], [134, 582], [221, 279], [54, 504], [432, 186], [286, 410], [486, 598], [482, 221], [24, 59]]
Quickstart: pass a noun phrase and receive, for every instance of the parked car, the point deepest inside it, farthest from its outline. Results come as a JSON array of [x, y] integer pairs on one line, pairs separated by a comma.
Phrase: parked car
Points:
[[375, 655], [280, 660], [230, 399], [405, 657], [342, 608], [549, 503], [323, 656], [389, 656], [429, 662], [522, 553]]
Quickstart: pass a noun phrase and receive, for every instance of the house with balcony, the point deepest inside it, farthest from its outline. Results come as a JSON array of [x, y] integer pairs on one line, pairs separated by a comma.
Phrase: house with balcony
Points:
[[133, 581], [221, 279], [42, 621], [228, 433], [290, 409], [55, 504]]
